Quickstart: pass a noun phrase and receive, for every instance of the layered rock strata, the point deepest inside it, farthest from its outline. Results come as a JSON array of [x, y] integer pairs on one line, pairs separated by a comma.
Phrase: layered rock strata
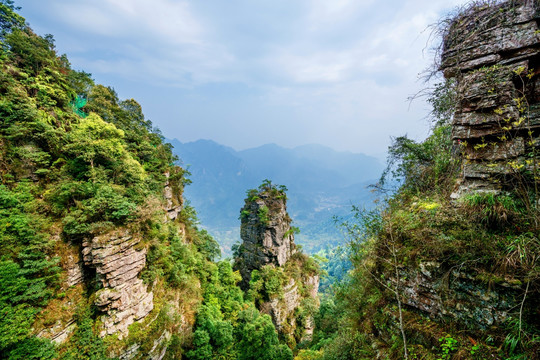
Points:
[[280, 309], [117, 261], [493, 53]]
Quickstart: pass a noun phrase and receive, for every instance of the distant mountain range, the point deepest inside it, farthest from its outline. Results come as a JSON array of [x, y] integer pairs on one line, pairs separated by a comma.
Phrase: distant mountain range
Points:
[[322, 183]]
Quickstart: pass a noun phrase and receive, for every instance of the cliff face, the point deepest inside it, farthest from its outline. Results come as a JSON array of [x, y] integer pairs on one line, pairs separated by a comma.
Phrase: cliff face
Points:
[[460, 295], [124, 298], [492, 54], [442, 275], [468, 263], [97, 253], [268, 254]]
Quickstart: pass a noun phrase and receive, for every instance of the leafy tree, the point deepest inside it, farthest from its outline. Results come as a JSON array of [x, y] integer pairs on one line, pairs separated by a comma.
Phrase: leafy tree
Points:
[[258, 338], [85, 345], [422, 166], [207, 245], [9, 19], [202, 348], [27, 277], [95, 141], [30, 52], [33, 348]]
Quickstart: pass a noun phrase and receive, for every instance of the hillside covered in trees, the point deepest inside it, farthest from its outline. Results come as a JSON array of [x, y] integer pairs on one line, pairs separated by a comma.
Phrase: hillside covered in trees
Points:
[[102, 258], [99, 255]]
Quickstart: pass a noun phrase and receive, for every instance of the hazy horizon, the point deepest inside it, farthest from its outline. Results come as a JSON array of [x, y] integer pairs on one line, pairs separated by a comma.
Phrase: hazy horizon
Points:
[[381, 157]]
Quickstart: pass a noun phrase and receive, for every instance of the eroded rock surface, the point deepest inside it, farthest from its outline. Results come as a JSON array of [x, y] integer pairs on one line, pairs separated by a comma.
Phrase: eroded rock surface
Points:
[[493, 53], [266, 234], [173, 197], [74, 269], [268, 241], [280, 309], [459, 294], [117, 261], [58, 332]]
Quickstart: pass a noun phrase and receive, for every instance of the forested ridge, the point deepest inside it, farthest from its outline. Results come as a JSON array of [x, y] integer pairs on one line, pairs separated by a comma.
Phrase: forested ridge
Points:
[[102, 258]]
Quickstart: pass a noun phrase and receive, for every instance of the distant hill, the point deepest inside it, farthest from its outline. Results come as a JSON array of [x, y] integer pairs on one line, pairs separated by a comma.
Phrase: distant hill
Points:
[[322, 183]]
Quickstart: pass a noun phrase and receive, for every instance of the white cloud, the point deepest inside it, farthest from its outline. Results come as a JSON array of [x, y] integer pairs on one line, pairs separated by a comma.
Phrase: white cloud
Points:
[[161, 20]]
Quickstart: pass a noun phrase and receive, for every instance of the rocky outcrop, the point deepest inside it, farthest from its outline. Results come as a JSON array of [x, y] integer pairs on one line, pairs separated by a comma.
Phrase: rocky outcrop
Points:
[[266, 234], [281, 308], [461, 295], [157, 352], [74, 268], [268, 241], [493, 53], [173, 197], [58, 332], [118, 261]]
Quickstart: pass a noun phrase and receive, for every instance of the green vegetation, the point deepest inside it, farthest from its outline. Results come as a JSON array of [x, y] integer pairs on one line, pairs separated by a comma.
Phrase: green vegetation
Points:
[[76, 162], [334, 264], [266, 283], [488, 236], [274, 196], [263, 215], [230, 327], [85, 344], [293, 230]]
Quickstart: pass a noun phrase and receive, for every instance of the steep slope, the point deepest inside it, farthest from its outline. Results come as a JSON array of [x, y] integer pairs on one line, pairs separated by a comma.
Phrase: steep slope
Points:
[[98, 255]]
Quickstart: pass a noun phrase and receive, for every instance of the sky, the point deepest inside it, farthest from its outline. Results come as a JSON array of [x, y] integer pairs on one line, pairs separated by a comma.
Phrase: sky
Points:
[[250, 72]]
